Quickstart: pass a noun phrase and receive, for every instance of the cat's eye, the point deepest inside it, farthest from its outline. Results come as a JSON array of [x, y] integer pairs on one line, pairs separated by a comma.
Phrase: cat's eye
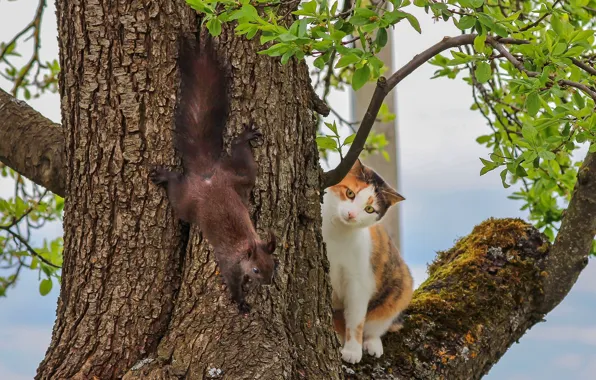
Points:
[[369, 209], [350, 194], [256, 270]]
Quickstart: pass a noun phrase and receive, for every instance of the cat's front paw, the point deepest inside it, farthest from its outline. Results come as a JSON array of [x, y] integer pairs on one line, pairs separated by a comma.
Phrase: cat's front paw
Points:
[[373, 347], [351, 355]]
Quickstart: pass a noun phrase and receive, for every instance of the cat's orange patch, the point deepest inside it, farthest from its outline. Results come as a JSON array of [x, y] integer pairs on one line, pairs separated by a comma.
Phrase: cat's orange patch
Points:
[[389, 268], [359, 330], [349, 182]]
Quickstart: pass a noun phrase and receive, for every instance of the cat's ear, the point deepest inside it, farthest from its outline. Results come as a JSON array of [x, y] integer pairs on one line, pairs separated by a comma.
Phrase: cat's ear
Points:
[[392, 196], [357, 167]]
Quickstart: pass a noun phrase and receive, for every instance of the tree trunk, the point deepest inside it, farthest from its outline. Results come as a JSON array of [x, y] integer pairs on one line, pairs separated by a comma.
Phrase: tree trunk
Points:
[[132, 287], [288, 335]]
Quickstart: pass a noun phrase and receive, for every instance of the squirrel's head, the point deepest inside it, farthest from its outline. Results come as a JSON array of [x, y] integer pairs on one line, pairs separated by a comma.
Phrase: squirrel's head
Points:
[[259, 264]]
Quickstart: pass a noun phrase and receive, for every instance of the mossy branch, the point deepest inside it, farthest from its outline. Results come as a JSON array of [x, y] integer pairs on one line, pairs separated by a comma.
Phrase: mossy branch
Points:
[[481, 296]]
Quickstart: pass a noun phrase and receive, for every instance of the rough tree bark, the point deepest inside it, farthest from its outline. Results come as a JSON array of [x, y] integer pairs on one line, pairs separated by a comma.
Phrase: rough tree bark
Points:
[[141, 297], [121, 299], [122, 247]]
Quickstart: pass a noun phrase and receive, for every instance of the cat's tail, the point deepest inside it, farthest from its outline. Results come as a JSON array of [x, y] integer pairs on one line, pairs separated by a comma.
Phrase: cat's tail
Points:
[[397, 324]]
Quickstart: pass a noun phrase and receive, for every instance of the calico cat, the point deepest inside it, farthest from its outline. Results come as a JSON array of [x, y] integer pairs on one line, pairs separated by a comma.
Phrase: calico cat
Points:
[[371, 282]]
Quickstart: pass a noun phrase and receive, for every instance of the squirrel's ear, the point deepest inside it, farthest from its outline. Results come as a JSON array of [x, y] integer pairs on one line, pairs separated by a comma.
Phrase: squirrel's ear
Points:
[[272, 242], [252, 249]]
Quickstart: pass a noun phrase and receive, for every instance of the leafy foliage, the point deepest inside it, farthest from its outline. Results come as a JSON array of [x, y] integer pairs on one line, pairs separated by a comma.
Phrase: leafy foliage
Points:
[[536, 92], [539, 102], [20, 216]]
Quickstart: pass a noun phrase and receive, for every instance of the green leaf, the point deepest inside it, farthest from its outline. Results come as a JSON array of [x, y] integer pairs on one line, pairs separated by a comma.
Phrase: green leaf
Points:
[[555, 22], [332, 127], [381, 39], [504, 178], [414, 22], [483, 139], [483, 72], [310, 7], [579, 100], [488, 166], [286, 57], [479, 43], [349, 139], [486, 20], [214, 27], [533, 103], [476, 3], [529, 132], [546, 155], [500, 30], [559, 48], [302, 28], [275, 50], [319, 63], [360, 77], [326, 142], [466, 22], [365, 12], [592, 148], [45, 286], [347, 60]]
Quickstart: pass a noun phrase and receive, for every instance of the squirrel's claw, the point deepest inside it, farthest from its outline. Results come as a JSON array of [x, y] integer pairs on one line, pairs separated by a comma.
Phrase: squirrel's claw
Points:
[[244, 307]]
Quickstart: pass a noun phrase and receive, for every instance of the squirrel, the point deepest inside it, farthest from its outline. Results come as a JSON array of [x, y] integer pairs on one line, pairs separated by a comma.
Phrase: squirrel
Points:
[[215, 188]]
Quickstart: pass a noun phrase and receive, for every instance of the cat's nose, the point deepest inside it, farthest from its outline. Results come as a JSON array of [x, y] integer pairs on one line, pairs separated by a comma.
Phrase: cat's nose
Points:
[[351, 215]]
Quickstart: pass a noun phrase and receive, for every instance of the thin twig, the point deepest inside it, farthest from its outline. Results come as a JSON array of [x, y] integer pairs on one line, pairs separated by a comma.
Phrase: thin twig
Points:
[[29, 248], [584, 66], [520, 66], [36, 23], [535, 23]]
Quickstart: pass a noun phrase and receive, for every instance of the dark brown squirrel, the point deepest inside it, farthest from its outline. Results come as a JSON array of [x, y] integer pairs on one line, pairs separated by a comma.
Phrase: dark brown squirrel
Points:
[[215, 188]]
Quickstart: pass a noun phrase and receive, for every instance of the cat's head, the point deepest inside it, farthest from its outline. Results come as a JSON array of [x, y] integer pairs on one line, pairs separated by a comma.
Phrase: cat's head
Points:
[[361, 199]]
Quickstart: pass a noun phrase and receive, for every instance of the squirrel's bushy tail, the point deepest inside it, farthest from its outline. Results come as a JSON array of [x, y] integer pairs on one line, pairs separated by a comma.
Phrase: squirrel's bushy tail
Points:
[[202, 110]]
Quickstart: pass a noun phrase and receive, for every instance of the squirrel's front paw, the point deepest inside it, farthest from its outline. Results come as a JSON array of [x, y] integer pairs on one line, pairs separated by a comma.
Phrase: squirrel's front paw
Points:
[[159, 176], [250, 134]]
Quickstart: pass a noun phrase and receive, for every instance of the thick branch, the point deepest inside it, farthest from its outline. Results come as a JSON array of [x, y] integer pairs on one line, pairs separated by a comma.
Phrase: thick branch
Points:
[[487, 291], [31, 144], [384, 86], [569, 254]]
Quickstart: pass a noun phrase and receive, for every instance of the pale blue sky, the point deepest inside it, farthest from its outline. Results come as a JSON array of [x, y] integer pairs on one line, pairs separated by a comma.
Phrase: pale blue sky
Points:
[[446, 198]]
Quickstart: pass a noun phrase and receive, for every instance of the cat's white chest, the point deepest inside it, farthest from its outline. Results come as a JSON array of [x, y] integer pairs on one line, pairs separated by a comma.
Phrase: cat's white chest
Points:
[[349, 253]]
